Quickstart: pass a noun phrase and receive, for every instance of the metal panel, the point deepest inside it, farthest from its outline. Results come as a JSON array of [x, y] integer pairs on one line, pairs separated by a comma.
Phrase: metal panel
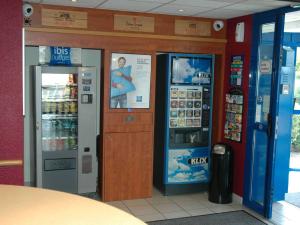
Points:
[[31, 58], [87, 129], [38, 113]]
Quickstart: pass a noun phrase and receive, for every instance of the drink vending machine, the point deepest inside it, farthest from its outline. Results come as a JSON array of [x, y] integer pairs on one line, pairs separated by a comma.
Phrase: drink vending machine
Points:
[[183, 122], [65, 120]]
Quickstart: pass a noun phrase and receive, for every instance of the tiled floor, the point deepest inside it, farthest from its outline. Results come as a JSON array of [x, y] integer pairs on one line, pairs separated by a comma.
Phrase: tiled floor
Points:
[[285, 214], [161, 207]]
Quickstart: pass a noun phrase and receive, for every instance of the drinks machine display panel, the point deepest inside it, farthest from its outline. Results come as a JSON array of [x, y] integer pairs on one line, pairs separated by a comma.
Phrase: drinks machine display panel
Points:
[[189, 116]]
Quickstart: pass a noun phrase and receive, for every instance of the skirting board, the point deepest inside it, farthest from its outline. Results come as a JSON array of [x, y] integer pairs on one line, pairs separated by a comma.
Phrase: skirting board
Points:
[[237, 199]]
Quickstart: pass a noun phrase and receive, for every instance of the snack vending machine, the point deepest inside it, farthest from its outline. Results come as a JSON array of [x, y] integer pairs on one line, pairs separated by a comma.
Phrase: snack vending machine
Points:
[[66, 131], [183, 122]]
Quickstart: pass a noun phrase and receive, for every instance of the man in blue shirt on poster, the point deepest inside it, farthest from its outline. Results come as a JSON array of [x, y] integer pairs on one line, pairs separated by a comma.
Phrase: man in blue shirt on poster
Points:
[[121, 84]]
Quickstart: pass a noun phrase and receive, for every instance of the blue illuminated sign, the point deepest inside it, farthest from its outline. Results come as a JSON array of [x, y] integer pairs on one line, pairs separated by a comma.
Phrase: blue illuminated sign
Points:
[[60, 56]]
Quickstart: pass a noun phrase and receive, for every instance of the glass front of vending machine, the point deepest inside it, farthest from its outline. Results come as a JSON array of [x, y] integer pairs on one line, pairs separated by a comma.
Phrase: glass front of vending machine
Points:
[[185, 142]]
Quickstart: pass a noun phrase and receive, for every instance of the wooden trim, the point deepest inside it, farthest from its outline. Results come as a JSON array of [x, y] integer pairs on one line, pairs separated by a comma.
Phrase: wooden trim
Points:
[[121, 34], [11, 162]]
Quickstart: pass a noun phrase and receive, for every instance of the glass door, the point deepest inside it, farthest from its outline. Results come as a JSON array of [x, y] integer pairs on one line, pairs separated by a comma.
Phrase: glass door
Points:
[[263, 91], [56, 119], [59, 112]]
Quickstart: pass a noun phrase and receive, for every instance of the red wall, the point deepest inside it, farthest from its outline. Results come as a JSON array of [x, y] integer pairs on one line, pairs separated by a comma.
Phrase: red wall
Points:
[[11, 119], [235, 48]]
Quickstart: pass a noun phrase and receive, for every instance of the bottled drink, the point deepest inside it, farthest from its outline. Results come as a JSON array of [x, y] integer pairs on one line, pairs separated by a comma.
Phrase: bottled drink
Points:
[[67, 92], [66, 107]]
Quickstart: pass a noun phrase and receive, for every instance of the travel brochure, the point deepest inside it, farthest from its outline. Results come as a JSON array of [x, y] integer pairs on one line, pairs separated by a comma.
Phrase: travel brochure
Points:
[[236, 70], [233, 119]]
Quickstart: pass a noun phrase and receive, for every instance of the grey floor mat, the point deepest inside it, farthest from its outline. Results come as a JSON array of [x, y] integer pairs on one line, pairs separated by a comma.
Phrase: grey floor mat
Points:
[[228, 218]]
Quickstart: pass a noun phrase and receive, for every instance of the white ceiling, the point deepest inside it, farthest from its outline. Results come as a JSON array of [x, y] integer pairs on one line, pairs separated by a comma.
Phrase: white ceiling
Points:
[[223, 9]]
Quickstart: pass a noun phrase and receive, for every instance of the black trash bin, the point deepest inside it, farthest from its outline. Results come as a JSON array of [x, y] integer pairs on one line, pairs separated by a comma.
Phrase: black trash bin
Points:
[[220, 188]]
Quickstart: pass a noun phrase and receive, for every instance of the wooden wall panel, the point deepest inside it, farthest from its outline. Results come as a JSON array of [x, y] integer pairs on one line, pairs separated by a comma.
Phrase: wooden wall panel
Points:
[[103, 20], [128, 165], [127, 148]]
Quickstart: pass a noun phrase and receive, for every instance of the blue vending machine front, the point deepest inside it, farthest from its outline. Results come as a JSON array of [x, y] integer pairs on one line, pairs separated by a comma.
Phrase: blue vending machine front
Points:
[[183, 122]]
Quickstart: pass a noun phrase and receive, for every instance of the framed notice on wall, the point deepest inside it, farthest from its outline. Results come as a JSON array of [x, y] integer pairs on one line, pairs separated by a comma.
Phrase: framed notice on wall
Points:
[[130, 77], [234, 115]]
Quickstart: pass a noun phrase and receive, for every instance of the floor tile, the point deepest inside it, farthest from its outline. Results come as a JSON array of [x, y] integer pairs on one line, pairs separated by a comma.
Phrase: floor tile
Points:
[[198, 212], [151, 217], [159, 200], [177, 214], [221, 208], [142, 210], [167, 208], [191, 204], [180, 198], [116, 203], [135, 202]]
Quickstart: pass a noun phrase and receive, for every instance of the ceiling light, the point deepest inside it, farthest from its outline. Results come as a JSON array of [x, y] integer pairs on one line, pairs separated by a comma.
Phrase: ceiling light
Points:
[[180, 10], [74, 0]]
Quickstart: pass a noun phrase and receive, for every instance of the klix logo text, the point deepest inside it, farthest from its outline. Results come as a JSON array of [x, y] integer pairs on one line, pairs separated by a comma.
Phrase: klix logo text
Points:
[[198, 160]]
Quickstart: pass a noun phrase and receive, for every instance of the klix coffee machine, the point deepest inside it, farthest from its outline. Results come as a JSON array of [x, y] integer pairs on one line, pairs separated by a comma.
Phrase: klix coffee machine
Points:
[[183, 122]]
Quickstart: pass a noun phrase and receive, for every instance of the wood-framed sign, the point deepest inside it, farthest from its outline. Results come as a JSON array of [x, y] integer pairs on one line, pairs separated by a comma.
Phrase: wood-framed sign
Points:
[[134, 23], [193, 28], [64, 18]]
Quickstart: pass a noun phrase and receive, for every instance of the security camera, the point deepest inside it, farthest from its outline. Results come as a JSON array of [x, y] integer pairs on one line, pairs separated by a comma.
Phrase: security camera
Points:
[[27, 10], [218, 25]]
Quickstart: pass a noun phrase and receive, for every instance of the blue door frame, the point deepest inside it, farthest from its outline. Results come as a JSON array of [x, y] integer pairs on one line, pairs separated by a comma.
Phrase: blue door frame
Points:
[[263, 203], [259, 167]]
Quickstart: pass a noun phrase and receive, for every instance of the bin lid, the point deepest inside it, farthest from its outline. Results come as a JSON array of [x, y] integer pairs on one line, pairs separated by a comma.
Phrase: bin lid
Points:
[[219, 149]]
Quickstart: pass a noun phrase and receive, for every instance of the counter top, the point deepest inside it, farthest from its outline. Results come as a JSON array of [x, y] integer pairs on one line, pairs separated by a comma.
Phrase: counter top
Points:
[[21, 205]]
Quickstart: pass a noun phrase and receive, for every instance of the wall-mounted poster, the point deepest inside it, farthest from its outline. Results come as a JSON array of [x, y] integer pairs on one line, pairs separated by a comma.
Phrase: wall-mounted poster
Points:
[[187, 165], [130, 80], [191, 70]]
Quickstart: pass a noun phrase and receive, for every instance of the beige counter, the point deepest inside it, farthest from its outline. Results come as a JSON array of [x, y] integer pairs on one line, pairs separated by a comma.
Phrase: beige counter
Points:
[[34, 206]]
